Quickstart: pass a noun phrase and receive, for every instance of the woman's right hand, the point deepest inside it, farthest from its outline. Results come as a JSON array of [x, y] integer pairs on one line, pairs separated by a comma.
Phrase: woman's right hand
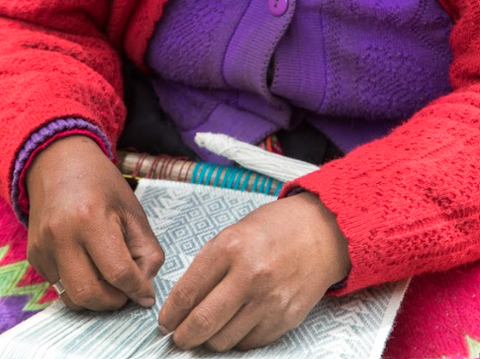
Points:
[[88, 229]]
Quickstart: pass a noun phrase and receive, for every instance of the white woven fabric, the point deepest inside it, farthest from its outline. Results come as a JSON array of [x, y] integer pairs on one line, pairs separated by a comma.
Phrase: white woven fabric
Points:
[[184, 217], [254, 158]]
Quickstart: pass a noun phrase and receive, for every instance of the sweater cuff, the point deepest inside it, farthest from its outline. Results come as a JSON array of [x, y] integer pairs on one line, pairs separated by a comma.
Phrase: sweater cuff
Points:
[[40, 140]]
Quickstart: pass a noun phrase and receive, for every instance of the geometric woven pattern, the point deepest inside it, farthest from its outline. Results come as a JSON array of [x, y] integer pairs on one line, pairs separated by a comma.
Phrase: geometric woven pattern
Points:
[[473, 347], [183, 217], [23, 292], [12, 274]]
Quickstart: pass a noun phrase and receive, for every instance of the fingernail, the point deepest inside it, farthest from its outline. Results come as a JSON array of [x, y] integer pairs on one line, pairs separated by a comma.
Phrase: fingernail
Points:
[[164, 330], [147, 302]]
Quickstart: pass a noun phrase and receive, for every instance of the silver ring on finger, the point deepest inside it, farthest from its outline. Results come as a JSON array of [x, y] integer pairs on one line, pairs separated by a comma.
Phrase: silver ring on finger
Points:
[[59, 288]]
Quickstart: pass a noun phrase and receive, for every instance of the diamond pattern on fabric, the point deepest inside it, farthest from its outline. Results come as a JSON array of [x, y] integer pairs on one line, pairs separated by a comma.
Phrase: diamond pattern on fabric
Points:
[[184, 217]]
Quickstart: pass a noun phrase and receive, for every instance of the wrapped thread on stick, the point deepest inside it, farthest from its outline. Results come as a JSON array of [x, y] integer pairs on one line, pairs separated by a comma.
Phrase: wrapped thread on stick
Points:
[[137, 165]]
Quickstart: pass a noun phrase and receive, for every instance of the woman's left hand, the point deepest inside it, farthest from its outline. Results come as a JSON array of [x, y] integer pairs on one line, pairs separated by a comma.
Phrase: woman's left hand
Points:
[[259, 278]]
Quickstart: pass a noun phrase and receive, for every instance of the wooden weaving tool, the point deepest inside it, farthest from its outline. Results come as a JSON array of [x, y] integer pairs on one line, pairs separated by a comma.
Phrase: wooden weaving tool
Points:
[[141, 165]]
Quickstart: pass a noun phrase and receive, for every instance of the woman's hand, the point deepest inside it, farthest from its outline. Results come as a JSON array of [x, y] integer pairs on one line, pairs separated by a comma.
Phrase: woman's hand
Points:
[[88, 229], [259, 278]]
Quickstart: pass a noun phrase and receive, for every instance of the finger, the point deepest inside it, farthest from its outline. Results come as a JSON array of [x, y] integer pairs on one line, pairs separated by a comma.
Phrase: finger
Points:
[[143, 244], [207, 270], [49, 272], [236, 329], [263, 334], [83, 288], [111, 256], [66, 299], [278, 321], [211, 315]]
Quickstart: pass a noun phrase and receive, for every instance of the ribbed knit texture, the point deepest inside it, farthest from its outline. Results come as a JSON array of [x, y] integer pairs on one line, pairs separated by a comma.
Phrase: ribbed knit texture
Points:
[[408, 204], [56, 62]]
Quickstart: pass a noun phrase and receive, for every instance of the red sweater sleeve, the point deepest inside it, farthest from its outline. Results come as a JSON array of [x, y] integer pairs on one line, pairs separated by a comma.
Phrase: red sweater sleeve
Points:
[[410, 203], [55, 62]]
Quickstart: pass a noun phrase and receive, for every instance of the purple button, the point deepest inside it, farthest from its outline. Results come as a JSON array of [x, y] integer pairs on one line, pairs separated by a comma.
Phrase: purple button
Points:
[[278, 7]]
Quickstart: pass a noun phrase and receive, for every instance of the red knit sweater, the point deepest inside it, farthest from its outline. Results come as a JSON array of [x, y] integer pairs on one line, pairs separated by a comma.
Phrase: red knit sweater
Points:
[[408, 203]]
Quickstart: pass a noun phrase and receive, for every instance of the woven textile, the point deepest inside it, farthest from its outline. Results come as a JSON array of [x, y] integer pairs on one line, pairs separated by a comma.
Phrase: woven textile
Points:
[[22, 291], [432, 153], [184, 217]]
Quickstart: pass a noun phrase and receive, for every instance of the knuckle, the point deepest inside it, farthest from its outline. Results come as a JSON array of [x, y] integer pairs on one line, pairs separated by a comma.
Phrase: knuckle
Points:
[[278, 301], [230, 239], [120, 275], [261, 272], [86, 211], [183, 297], [180, 341], [220, 343], [83, 295], [157, 259], [201, 322], [207, 247], [52, 227], [294, 316]]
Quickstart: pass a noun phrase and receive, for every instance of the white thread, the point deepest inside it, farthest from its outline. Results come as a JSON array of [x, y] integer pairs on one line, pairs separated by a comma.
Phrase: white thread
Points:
[[254, 158]]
